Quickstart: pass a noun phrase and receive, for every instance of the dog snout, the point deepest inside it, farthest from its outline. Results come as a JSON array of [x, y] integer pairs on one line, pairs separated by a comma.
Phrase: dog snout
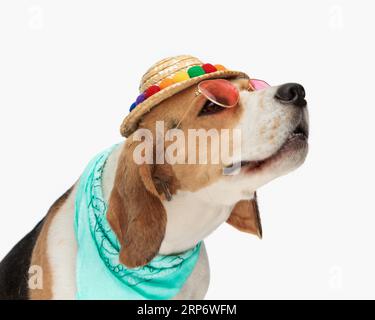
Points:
[[291, 93]]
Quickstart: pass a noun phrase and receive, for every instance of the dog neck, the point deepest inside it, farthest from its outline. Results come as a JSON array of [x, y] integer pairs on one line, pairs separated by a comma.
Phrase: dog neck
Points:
[[191, 216], [190, 220]]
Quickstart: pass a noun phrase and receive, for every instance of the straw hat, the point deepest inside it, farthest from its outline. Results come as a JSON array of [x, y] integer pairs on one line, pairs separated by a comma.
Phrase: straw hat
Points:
[[168, 77]]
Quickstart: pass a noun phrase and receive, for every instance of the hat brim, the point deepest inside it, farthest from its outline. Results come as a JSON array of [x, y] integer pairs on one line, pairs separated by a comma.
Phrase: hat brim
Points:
[[130, 123]]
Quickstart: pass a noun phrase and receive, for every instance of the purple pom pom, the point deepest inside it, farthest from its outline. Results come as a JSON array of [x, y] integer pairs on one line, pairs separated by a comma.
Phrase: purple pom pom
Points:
[[140, 98]]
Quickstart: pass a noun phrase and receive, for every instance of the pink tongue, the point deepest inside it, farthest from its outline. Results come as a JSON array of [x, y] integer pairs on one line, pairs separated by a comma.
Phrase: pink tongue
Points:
[[259, 84]]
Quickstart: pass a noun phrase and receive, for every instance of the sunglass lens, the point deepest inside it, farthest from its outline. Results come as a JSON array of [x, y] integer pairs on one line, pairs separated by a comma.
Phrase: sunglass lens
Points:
[[220, 91], [259, 84]]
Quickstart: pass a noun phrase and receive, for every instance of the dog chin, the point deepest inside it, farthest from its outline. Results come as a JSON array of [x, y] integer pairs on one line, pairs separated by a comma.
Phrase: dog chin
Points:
[[289, 157]]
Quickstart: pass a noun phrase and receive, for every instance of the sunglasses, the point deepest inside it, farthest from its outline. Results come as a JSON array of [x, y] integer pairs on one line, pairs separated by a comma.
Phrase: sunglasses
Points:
[[224, 93]]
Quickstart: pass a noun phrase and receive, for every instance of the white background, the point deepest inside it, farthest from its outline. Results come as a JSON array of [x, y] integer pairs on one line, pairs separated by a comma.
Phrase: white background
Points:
[[70, 69]]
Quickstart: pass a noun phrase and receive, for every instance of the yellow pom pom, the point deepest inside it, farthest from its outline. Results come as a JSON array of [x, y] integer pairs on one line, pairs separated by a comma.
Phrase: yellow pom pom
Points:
[[180, 76], [166, 83], [220, 67]]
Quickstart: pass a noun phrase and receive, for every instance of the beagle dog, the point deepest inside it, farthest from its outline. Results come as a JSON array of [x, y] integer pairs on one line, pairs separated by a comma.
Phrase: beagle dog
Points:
[[166, 208]]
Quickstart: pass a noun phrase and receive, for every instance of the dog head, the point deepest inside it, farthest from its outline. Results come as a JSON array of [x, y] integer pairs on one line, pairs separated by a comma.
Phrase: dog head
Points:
[[272, 124]]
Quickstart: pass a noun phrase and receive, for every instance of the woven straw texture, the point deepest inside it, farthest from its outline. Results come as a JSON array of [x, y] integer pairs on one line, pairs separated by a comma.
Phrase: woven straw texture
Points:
[[160, 71]]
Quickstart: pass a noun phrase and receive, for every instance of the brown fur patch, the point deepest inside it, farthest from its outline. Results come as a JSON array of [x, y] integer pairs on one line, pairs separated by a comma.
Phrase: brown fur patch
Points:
[[135, 211], [245, 217], [39, 256]]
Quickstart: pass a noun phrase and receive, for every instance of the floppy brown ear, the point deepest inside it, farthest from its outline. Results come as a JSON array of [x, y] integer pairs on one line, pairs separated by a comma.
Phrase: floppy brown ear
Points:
[[245, 217], [135, 211]]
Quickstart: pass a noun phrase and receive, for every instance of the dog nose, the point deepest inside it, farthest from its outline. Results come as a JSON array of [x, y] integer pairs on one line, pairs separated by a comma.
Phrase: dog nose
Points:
[[291, 93]]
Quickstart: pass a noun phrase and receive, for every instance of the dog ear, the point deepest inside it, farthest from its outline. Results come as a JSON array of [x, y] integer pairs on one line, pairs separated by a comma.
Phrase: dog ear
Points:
[[245, 217], [135, 211]]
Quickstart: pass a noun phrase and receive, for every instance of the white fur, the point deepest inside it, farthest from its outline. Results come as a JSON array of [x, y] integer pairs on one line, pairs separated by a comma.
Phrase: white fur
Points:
[[62, 251], [188, 224], [265, 124], [110, 171], [196, 285], [192, 216]]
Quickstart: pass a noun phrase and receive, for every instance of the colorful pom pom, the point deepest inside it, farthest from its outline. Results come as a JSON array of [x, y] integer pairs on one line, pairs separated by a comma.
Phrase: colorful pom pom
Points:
[[166, 83], [134, 104], [196, 71], [209, 68], [220, 67], [151, 91], [180, 76], [140, 98]]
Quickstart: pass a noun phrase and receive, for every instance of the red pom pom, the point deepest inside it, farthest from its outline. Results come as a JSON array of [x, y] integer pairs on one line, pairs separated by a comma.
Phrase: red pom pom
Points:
[[209, 68], [151, 91]]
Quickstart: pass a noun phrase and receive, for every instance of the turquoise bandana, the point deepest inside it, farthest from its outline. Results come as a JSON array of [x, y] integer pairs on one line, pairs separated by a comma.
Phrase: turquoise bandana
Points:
[[99, 273]]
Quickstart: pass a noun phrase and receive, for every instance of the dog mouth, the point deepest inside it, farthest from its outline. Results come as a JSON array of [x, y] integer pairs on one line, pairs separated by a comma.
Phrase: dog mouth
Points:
[[301, 130], [297, 140]]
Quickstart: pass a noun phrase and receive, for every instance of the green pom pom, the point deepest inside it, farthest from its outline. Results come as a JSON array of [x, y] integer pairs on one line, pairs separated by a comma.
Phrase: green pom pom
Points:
[[196, 71]]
